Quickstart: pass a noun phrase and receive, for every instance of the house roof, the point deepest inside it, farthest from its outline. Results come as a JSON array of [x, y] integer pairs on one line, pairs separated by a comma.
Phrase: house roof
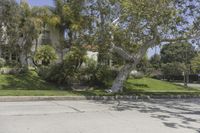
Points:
[[93, 48]]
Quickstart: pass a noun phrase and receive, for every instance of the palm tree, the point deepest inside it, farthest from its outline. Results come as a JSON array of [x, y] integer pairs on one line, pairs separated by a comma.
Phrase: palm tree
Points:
[[67, 19], [41, 16]]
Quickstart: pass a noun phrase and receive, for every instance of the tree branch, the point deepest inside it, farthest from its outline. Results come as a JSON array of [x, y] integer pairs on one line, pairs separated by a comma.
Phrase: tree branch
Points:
[[187, 37], [124, 54], [172, 40], [148, 44]]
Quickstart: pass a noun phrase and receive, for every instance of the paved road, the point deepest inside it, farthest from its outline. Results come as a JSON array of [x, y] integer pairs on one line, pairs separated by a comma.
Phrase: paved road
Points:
[[197, 86], [155, 116]]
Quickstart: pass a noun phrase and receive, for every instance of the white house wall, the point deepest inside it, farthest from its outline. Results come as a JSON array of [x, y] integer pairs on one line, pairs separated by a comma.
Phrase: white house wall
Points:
[[92, 55]]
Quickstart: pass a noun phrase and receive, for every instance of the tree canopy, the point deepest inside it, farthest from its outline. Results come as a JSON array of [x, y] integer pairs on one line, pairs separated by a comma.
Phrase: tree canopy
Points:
[[179, 52]]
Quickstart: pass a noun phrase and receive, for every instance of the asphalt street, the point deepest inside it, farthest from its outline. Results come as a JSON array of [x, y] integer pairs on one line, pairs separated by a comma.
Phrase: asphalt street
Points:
[[196, 86], [153, 116]]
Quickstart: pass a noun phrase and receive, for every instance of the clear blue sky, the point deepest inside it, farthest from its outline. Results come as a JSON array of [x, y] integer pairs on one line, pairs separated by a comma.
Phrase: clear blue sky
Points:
[[39, 2], [50, 3], [152, 51]]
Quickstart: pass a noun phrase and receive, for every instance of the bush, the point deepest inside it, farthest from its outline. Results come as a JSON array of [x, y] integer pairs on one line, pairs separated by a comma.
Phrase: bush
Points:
[[75, 57], [103, 76], [45, 55], [87, 71], [90, 74], [60, 73], [54, 73], [2, 62], [67, 72], [136, 75], [77, 69]]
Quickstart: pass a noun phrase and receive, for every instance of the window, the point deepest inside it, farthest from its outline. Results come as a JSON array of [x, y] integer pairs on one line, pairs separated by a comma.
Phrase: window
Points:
[[8, 55]]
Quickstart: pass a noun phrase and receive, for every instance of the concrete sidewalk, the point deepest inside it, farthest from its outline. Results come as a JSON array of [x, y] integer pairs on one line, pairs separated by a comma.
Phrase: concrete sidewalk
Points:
[[155, 116]]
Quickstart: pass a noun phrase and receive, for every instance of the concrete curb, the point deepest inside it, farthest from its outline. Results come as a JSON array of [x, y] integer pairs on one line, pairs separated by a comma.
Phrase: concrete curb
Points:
[[74, 98], [39, 98]]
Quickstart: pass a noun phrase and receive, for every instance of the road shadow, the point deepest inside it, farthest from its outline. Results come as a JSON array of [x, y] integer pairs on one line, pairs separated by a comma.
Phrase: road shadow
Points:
[[172, 113]]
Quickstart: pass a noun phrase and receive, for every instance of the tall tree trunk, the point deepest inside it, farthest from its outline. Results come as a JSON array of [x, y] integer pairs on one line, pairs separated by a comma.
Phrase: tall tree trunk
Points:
[[36, 46], [122, 76], [62, 43], [62, 56], [22, 58], [133, 61], [26, 59], [186, 79]]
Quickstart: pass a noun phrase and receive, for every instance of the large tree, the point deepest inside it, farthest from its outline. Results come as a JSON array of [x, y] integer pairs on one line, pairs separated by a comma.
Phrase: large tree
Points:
[[144, 24], [20, 28], [103, 13], [9, 23], [179, 52], [69, 19], [30, 28], [177, 55]]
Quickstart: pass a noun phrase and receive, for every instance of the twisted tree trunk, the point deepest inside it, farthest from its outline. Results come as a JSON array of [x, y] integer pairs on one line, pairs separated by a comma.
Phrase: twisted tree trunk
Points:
[[132, 59], [122, 77]]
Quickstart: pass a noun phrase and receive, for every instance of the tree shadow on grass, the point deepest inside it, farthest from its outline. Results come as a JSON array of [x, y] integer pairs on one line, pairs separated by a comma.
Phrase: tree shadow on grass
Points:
[[130, 85], [174, 114], [25, 82], [139, 85]]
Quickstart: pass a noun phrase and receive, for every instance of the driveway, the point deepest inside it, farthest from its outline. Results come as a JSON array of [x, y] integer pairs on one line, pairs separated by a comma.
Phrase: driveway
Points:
[[154, 116]]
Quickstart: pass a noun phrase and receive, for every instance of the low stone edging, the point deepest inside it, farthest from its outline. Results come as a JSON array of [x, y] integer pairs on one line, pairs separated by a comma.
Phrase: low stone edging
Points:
[[60, 98]]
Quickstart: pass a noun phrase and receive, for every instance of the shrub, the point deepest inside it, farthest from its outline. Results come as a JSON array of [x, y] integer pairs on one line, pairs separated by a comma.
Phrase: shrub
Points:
[[2, 62], [53, 73], [103, 76], [91, 74], [60, 73], [87, 71], [76, 69], [75, 57], [136, 75], [67, 72], [45, 55]]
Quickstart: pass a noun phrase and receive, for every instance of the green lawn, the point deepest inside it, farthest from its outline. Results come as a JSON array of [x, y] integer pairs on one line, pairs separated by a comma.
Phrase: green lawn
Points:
[[50, 93], [29, 81], [32, 85], [153, 86]]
